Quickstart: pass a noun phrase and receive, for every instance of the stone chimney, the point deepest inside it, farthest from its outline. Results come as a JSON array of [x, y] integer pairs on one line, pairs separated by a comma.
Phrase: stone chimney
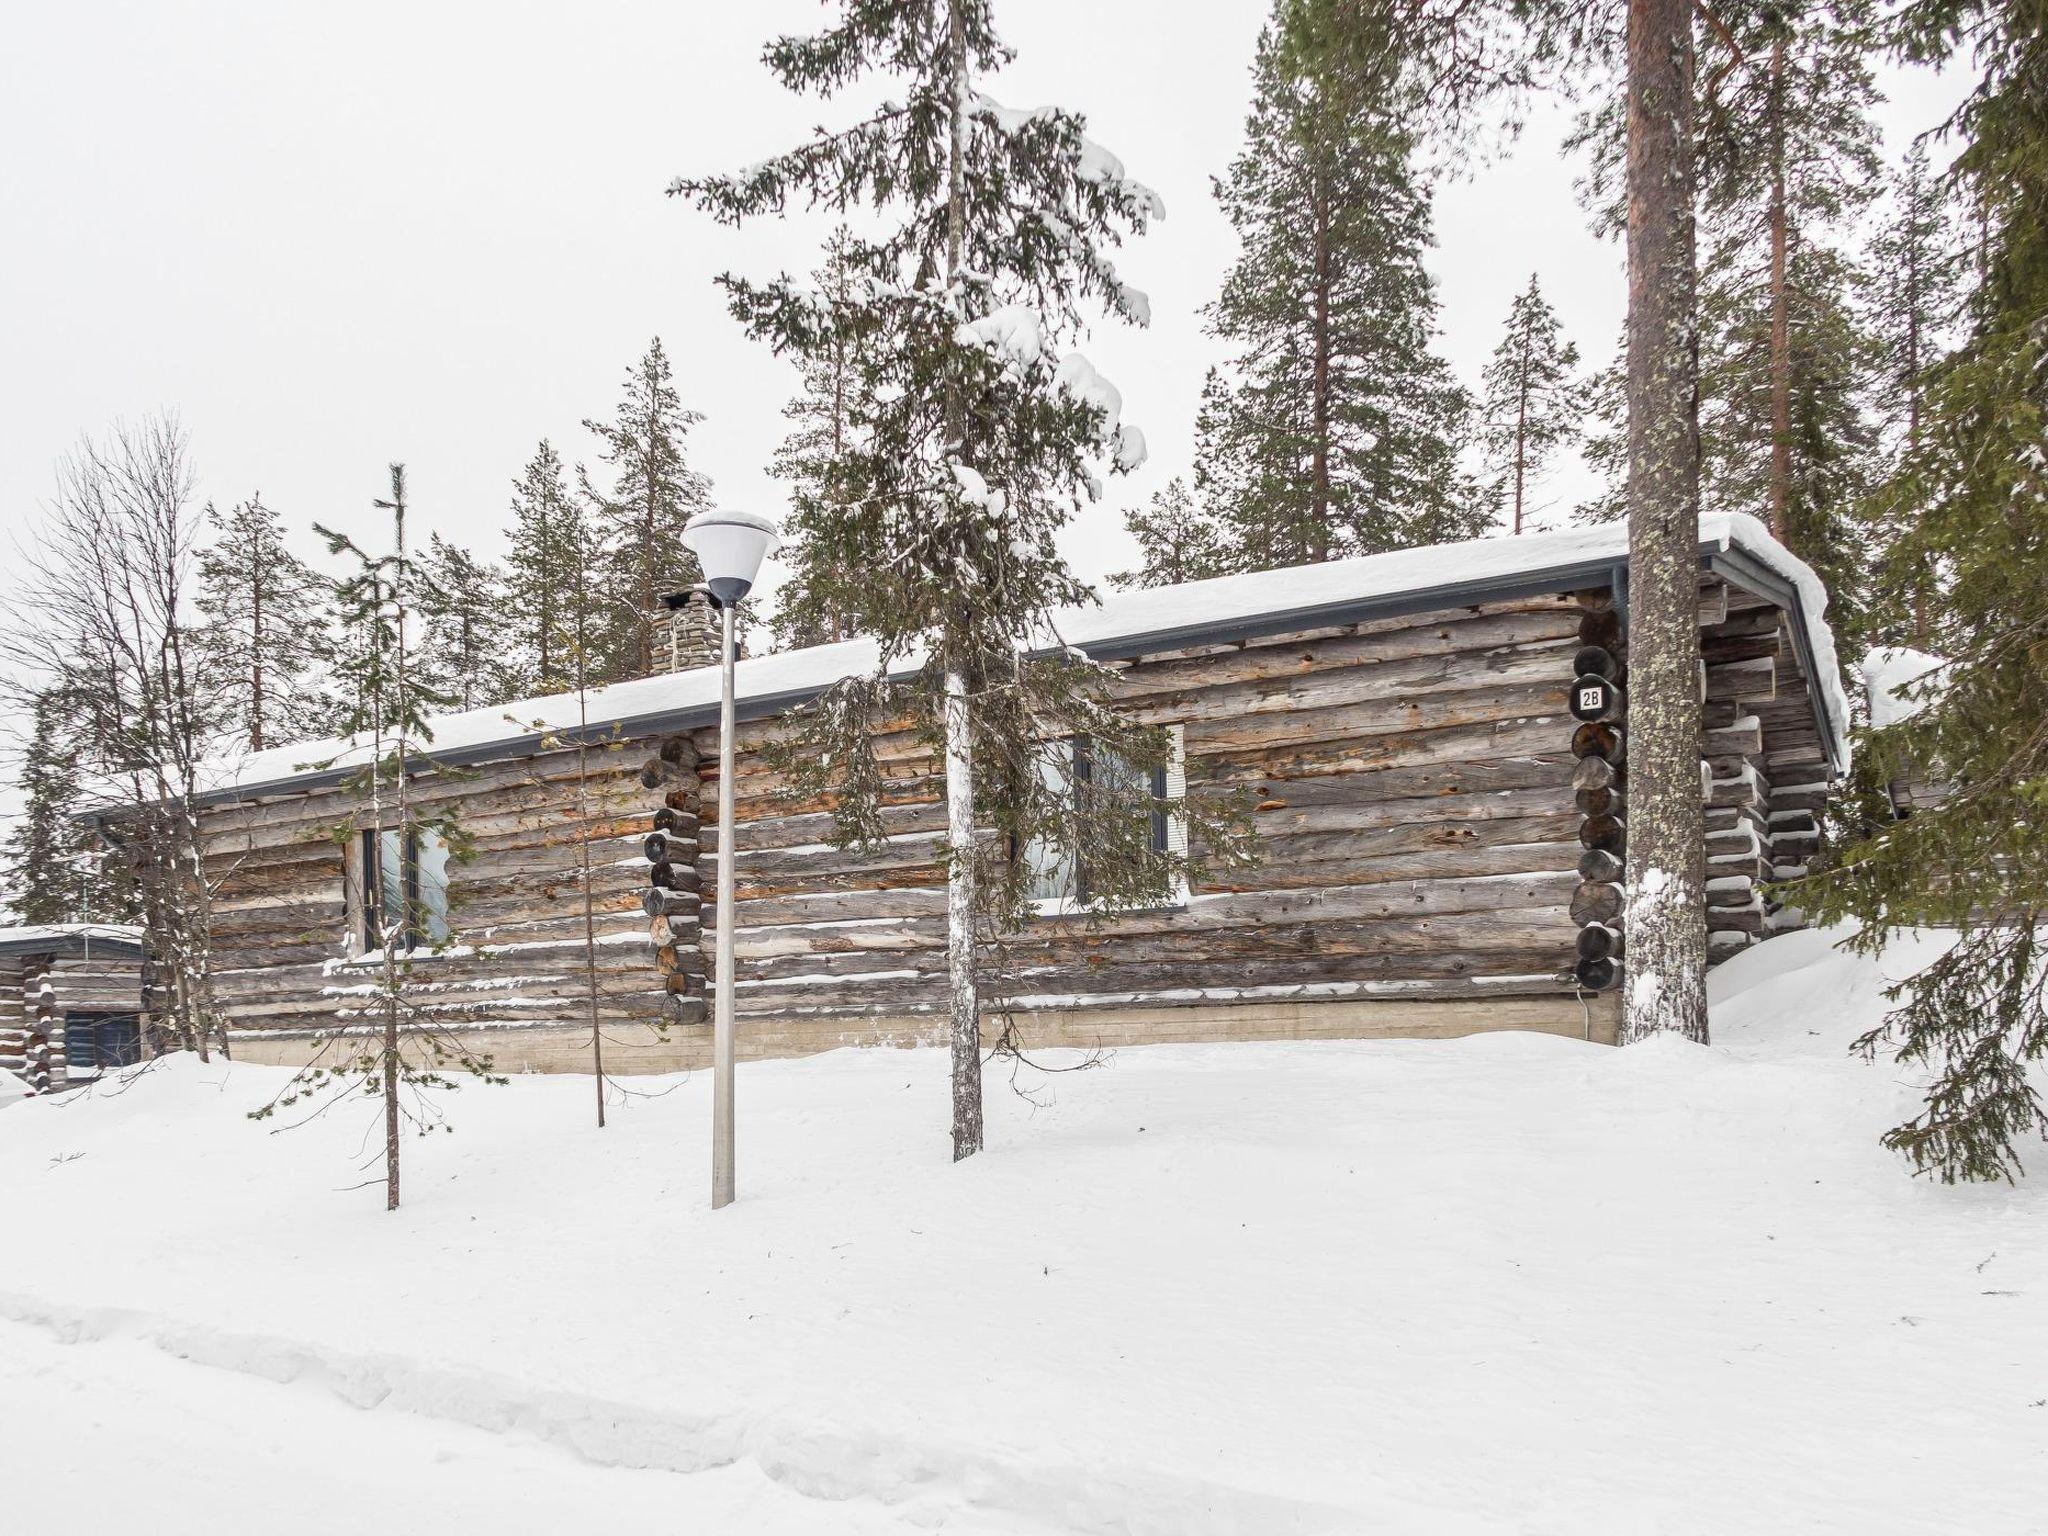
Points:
[[685, 631]]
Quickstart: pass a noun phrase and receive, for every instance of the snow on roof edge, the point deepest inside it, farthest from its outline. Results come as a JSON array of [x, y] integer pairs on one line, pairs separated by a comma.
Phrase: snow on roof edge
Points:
[[1217, 603]]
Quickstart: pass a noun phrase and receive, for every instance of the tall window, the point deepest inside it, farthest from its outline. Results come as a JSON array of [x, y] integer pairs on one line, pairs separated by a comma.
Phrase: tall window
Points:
[[384, 880], [1059, 874]]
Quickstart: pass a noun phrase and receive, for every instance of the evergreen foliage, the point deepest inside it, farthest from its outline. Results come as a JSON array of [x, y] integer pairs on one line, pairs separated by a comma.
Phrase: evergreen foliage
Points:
[[55, 870], [1337, 430], [1920, 274], [548, 601], [264, 635], [1177, 538], [409, 1050], [1975, 487], [818, 458], [981, 432], [640, 520], [462, 609], [1531, 402]]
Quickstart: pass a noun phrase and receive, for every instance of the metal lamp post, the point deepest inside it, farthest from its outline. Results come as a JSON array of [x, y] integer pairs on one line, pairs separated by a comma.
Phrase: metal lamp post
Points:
[[730, 546]]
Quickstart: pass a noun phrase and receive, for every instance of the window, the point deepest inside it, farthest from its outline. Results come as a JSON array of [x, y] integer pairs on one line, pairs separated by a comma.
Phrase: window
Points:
[[1059, 875], [380, 884], [100, 1042]]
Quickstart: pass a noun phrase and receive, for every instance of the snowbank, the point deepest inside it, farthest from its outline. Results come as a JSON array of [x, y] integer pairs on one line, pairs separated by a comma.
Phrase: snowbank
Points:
[[1509, 1283]]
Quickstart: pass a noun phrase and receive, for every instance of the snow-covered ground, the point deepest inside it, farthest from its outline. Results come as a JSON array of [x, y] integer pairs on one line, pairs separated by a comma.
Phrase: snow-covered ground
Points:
[[1504, 1284]]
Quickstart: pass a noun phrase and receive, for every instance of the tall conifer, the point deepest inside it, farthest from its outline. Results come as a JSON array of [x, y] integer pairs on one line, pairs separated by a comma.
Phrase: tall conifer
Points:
[[1338, 429], [264, 638], [1975, 486], [1531, 404], [464, 633], [547, 597], [986, 433], [654, 492], [819, 459]]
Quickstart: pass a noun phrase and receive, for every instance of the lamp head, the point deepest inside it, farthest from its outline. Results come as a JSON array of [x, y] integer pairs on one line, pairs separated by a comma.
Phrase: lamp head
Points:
[[730, 546]]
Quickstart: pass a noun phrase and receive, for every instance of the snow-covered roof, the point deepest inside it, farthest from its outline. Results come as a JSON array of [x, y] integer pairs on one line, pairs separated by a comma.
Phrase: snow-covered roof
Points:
[[71, 938], [1122, 624]]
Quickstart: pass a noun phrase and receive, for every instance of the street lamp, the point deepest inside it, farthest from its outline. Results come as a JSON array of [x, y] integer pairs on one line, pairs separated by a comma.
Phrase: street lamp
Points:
[[730, 546]]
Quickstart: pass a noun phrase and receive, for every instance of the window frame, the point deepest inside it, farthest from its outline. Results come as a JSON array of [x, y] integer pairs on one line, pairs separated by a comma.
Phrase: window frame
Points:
[[1168, 834], [363, 889]]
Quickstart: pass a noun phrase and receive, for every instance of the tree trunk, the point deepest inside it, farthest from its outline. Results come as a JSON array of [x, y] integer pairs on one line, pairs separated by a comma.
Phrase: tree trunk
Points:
[[1666, 854], [1781, 322], [256, 664], [965, 1005], [1521, 435], [1319, 505]]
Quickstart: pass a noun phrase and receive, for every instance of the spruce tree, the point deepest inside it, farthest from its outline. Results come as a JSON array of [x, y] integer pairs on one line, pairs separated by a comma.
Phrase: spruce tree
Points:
[[654, 492], [986, 432], [264, 638], [464, 630], [828, 419], [407, 1051], [1178, 540], [1975, 488], [1338, 431], [55, 871], [1920, 270], [548, 601], [1531, 402], [1789, 165]]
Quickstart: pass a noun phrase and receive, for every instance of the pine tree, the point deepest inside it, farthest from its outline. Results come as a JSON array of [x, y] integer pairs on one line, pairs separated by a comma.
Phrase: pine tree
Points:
[[56, 873], [1531, 403], [548, 600], [264, 637], [1975, 492], [1788, 167], [409, 1053], [1920, 271], [1462, 59], [986, 432], [640, 520], [1339, 430], [462, 606], [1178, 540], [828, 419]]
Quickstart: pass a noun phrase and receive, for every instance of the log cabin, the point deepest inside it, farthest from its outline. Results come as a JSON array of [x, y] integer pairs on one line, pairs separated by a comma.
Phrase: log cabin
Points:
[[1438, 836], [74, 1002]]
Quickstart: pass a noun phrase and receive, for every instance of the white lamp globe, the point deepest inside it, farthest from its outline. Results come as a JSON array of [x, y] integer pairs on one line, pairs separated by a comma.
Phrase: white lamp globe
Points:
[[730, 546]]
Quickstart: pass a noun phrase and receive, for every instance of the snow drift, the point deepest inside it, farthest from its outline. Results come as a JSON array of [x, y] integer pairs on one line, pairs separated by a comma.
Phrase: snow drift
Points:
[[1505, 1283]]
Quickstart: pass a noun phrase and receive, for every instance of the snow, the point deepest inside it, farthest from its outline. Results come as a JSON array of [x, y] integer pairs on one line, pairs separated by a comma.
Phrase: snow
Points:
[[1888, 675], [1192, 606], [1509, 1283], [26, 936]]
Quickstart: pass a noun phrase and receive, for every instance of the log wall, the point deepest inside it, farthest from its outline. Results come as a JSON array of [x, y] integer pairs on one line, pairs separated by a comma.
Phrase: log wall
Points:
[[1419, 841]]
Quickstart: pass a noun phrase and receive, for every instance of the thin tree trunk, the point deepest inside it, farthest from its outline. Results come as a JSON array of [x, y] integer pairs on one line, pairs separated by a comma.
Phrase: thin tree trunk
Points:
[[1781, 321], [1666, 857], [1521, 435], [1319, 488], [583, 846], [256, 663], [965, 1004]]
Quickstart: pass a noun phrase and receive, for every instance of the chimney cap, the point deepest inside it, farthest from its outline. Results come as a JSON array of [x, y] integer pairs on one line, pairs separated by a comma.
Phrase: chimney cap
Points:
[[675, 602]]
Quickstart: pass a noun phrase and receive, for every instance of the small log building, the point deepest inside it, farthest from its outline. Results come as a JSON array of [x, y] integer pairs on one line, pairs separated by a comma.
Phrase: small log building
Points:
[[1438, 837], [73, 1002]]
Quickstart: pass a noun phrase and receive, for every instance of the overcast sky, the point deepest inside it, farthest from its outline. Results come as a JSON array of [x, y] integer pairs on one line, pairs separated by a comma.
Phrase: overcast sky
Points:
[[332, 237]]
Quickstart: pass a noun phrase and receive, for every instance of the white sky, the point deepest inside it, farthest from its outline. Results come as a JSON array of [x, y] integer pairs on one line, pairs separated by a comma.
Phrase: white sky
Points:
[[436, 232]]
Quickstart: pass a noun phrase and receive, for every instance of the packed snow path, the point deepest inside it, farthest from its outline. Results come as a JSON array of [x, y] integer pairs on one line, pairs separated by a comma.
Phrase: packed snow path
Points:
[[1502, 1284]]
